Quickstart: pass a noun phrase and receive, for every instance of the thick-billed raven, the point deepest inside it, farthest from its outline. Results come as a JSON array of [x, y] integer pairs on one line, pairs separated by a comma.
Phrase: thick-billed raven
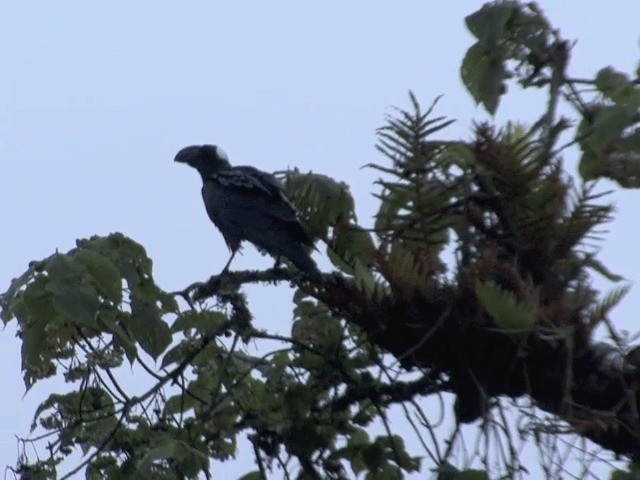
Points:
[[248, 204]]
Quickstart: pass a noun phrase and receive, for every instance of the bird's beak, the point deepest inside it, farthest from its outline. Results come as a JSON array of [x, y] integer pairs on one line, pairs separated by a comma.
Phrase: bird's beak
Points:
[[188, 155]]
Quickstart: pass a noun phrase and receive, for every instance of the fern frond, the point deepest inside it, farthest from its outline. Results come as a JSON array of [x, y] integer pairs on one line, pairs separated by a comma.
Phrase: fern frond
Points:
[[402, 139], [511, 316], [583, 217], [608, 303], [320, 200], [412, 203]]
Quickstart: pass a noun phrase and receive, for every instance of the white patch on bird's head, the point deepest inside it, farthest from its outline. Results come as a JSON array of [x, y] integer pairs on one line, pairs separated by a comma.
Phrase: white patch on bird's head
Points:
[[221, 154]]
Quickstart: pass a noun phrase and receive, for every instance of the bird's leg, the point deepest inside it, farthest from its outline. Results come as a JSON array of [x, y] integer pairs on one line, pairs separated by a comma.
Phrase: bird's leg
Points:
[[226, 267]]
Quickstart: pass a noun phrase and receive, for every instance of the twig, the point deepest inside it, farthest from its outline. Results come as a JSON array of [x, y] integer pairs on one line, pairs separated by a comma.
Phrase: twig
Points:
[[256, 451], [100, 447]]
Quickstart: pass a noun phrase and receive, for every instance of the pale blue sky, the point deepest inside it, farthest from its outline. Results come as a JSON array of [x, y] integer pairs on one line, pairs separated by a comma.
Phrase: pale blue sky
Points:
[[95, 99]]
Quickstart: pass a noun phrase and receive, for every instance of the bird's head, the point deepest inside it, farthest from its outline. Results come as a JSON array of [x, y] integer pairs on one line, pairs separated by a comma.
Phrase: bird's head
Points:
[[207, 159]]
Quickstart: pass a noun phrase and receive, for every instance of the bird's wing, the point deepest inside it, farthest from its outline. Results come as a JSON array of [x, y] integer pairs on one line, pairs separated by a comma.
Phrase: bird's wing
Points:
[[250, 178], [266, 180], [245, 195], [258, 184], [248, 213]]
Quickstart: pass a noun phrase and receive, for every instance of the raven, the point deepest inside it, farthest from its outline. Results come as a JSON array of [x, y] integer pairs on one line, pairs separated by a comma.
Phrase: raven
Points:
[[248, 204]]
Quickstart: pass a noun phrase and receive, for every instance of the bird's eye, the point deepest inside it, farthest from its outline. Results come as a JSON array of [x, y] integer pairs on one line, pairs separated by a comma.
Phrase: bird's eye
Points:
[[221, 154]]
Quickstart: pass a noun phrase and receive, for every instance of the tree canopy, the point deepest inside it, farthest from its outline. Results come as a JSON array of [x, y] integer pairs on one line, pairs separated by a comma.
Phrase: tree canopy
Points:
[[475, 279]]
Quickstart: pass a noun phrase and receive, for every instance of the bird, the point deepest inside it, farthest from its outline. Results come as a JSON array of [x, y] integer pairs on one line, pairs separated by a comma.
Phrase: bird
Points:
[[245, 203]]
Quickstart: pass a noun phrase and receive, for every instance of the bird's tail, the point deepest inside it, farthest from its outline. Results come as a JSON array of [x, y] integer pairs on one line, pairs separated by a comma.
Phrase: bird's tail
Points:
[[296, 254], [303, 261], [281, 244]]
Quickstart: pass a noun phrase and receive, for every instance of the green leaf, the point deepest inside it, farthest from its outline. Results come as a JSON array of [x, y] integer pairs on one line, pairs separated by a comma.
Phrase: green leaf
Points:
[[350, 245], [146, 324], [461, 155], [190, 461], [625, 475], [489, 23], [179, 403], [307, 360], [105, 274], [8, 298], [204, 322], [483, 73], [397, 452], [387, 471], [364, 279], [164, 450], [608, 80], [199, 390], [95, 432], [618, 87], [107, 320], [509, 315], [473, 475], [168, 303], [446, 471], [590, 165], [73, 295], [472, 64], [103, 467], [374, 456], [79, 304], [306, 437], [41, 314], [358, 438], [315, 326], [483, 70], [67, 400], [623, 167], [339, 262], [609, 123], [177, 353], [255, 475], [127, 255], [610, 149]]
